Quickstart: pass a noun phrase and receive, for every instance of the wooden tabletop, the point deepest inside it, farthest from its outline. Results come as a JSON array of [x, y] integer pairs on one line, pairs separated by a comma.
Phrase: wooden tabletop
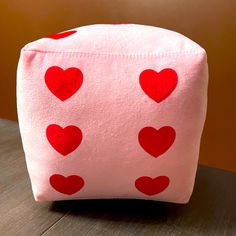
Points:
[[211, 210]]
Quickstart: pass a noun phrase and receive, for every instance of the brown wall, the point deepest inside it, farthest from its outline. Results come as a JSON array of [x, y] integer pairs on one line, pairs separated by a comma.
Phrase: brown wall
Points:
[[211, 23]]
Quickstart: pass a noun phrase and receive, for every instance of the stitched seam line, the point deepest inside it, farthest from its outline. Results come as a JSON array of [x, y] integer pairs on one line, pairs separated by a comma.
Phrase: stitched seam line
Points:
[[184, 53]]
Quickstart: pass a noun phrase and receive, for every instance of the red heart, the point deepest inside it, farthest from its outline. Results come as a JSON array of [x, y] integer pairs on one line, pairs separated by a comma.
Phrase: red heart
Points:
[[64, 140], [156, 142], [150, 186], [158, 86], [67, 185], [61, 35], [63, 83]]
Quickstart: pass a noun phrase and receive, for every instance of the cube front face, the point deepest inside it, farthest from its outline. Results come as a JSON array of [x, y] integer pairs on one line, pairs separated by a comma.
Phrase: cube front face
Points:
[[99, 125]]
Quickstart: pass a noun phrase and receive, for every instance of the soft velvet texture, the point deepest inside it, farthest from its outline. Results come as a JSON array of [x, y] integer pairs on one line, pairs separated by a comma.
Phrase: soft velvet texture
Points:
[[112, 111]]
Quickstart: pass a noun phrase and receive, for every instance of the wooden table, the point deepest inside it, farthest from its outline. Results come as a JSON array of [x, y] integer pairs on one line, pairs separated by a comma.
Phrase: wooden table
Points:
[[211, 210]]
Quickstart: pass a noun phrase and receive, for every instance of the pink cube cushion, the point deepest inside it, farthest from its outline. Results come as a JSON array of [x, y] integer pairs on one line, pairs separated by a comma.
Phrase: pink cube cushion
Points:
[[112, 111]]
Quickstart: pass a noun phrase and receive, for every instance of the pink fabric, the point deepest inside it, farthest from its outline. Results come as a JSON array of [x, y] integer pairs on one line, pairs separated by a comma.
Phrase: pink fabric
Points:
[[110, 108]]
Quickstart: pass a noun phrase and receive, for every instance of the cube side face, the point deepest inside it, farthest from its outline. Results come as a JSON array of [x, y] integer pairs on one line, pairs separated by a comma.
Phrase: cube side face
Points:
[[109, 135]]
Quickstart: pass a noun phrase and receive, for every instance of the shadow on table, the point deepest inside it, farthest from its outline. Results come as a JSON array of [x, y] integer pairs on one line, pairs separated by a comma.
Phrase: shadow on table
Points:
[[206, 206], [120, 209]]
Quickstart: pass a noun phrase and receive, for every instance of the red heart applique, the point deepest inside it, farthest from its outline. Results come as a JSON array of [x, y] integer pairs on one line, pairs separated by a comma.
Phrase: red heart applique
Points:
[[156, 142], [61, 35], [63, 83], [158, 86], [151, 186], [64, 140], [67, 185]]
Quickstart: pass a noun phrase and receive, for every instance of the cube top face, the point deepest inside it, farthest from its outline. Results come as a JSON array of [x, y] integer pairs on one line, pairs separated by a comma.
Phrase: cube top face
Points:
[[112, 111], [118, 39]]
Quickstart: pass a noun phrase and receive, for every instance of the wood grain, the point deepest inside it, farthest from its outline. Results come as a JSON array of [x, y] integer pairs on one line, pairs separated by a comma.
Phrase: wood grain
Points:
[[20, 214], [211, 210]]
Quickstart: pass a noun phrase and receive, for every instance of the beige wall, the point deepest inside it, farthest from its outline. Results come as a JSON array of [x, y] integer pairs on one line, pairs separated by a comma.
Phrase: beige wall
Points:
[[211, 23]]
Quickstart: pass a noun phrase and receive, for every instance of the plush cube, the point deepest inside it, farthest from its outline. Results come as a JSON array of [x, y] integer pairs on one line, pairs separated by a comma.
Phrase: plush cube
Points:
[[112, 111]]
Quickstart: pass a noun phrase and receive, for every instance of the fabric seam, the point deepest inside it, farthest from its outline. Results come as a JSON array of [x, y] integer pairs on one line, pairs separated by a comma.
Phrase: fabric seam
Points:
[[170, 53]]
